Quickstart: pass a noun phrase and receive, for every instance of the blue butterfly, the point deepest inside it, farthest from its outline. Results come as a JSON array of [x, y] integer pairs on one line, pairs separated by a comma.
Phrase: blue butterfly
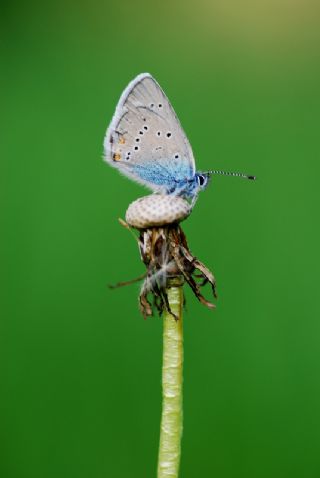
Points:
[[146, 142]]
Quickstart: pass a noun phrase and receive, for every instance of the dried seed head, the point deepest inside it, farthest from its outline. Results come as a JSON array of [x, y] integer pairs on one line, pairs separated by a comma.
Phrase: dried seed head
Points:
[[157, 210], [165, 252]]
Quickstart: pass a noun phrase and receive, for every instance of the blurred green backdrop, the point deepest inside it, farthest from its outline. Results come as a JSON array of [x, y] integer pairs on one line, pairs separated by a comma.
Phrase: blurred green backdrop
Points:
[[80, 369]]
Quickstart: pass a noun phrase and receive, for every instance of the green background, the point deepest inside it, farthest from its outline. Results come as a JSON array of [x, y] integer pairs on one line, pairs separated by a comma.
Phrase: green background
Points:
[[80, 369]]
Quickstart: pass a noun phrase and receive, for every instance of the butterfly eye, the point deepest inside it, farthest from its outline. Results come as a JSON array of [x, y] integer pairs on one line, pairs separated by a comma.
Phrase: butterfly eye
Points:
[[201, 180]]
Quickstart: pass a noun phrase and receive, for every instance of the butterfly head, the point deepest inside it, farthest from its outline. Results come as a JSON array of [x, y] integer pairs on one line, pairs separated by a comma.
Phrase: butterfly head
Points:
[[190, 188]]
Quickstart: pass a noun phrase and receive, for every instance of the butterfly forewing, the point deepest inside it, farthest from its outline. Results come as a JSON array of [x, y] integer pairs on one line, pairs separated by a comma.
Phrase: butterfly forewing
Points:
[[145, 140]]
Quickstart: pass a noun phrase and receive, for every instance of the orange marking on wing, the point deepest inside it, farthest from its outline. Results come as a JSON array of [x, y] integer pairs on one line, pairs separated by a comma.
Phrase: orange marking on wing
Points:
[[116, 157], [122, 140]]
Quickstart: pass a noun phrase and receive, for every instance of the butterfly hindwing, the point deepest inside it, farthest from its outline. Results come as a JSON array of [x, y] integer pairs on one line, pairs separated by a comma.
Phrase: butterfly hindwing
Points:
[[145, 140]]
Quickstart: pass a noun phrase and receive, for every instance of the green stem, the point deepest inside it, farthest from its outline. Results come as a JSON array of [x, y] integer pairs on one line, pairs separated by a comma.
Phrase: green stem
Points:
[[171, 420]]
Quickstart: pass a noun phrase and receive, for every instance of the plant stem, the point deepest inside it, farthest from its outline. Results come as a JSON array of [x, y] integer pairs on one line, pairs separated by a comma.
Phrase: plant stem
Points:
[[171, 420]]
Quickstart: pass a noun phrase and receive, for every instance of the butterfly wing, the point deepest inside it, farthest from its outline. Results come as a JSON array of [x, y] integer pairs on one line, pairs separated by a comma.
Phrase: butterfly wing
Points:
[[145, 140]]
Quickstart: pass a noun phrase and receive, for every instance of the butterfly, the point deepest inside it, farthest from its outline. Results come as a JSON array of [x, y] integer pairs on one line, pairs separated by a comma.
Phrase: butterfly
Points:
[[146, 142]]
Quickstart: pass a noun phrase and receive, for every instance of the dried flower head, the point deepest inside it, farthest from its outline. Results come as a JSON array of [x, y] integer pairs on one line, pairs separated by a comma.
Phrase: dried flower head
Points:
[[165, 252]]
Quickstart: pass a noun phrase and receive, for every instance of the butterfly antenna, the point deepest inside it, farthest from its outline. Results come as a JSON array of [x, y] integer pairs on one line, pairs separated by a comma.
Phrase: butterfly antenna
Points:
[[226, 173]]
